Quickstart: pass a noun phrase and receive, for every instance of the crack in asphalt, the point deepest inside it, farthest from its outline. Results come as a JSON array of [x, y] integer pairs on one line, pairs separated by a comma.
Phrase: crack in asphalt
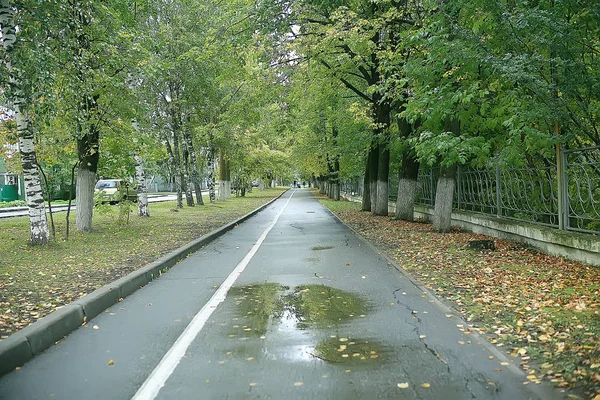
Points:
[[301, 229], [413, 313]]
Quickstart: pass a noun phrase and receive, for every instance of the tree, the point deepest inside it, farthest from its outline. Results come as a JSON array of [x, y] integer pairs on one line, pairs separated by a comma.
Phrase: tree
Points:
[[18, 85]]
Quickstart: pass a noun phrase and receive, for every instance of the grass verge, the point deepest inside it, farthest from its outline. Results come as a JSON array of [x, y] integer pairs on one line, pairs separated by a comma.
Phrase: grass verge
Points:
[[35, 281], [543, 310]]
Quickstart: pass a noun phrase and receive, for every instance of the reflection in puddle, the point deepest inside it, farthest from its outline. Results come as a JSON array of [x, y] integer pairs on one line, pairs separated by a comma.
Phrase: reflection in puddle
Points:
[[350, 350], [322, 306], [299, 325]]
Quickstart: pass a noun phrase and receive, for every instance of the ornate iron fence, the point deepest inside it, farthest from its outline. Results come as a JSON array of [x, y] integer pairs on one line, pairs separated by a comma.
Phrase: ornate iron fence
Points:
[[530, 194], [582, 182]]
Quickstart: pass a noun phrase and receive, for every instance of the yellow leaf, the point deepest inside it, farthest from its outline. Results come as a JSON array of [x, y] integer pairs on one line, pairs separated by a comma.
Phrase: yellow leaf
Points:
[[298, 384], [403, 385], [425, 385], [449, 315], [252, 384], [111, 362], [491, 357], [96, 327]]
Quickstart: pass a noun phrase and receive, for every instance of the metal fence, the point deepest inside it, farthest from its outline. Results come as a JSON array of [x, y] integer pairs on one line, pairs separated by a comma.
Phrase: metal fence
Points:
[[530, 194], [566, 198]]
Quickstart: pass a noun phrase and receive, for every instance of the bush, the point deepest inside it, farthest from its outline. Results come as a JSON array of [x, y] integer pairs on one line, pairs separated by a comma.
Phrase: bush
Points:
[[16, 203]]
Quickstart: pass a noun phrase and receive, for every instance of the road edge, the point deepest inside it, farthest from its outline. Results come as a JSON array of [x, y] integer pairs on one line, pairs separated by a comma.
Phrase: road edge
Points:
[[32, 340]]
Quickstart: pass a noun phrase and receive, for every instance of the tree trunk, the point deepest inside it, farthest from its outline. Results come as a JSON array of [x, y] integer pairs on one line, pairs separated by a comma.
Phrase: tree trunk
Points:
[[179, 178], [38, 225], [87, 150], [383, 174], [141, 189], [322, 185], [189, 197], [373, 166], [210, 157], [366, 196], [224, 178], [38, 232], [407, 175], [70, 197], [195, 176], [49, 193], [407, 186], [442, 214]]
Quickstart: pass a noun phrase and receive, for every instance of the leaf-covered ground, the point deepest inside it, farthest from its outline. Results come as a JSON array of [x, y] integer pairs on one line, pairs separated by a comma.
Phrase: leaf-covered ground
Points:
[[35, 281], [544, 310]]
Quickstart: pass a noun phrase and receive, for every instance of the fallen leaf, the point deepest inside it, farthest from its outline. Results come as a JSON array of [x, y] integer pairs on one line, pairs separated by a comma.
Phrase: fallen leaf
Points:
[[403, 385], [425, 385], [111, 362]]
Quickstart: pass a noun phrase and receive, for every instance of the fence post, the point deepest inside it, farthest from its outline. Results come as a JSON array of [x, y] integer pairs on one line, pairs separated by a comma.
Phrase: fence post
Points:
[[458, 187], [560, 177], [498, 192], [431, 192]]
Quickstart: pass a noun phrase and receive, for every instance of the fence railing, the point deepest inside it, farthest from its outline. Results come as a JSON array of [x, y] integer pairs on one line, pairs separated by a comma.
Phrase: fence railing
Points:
[[527, 194], [530, 194]]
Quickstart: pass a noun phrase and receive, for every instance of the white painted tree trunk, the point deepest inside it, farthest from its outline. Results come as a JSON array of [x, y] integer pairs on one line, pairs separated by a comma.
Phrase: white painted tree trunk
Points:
[[141, 189], [405, 202], [84, 193], [224, 190], [442, 214]]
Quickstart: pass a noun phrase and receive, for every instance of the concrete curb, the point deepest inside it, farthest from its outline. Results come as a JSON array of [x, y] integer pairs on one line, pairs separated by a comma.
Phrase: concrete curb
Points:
[[23, 345]]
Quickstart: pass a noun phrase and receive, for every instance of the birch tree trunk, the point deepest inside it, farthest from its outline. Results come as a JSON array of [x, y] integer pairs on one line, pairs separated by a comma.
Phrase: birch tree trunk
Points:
[[189, 197], [210, 157], [38, 224], [141, 189], [38, 232]]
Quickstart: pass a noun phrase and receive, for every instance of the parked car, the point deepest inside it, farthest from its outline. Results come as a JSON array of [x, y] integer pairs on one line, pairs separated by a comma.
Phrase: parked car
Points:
[[115, 190]]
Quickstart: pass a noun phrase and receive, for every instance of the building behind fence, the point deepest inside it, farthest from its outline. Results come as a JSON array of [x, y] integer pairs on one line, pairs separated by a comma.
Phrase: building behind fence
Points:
[[566, 198]]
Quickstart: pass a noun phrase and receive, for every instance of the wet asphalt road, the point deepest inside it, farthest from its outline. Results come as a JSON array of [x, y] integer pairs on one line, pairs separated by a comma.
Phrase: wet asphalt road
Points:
[[316, 314]]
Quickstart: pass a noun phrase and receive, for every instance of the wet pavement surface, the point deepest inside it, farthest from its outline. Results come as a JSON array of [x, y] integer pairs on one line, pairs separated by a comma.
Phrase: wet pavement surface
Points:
[[316, 314]]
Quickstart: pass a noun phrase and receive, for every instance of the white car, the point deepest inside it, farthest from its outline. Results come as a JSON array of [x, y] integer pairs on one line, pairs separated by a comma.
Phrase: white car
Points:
[[115, 190]]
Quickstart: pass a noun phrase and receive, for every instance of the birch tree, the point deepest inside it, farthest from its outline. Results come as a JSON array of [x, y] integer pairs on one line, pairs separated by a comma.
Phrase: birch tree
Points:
[[15, 90]]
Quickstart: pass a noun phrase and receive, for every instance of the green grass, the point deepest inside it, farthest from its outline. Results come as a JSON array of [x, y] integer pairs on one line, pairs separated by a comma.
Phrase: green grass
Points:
[[36, 280]]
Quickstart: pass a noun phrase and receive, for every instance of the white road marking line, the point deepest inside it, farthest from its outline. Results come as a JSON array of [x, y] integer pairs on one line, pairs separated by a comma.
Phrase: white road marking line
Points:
[[157, 379]]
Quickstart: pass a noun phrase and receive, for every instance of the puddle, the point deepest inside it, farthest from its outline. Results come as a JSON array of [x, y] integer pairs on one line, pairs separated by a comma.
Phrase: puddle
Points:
[[318, 248], [256, 305], [323, 306], [349, 350], [299, 325]]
